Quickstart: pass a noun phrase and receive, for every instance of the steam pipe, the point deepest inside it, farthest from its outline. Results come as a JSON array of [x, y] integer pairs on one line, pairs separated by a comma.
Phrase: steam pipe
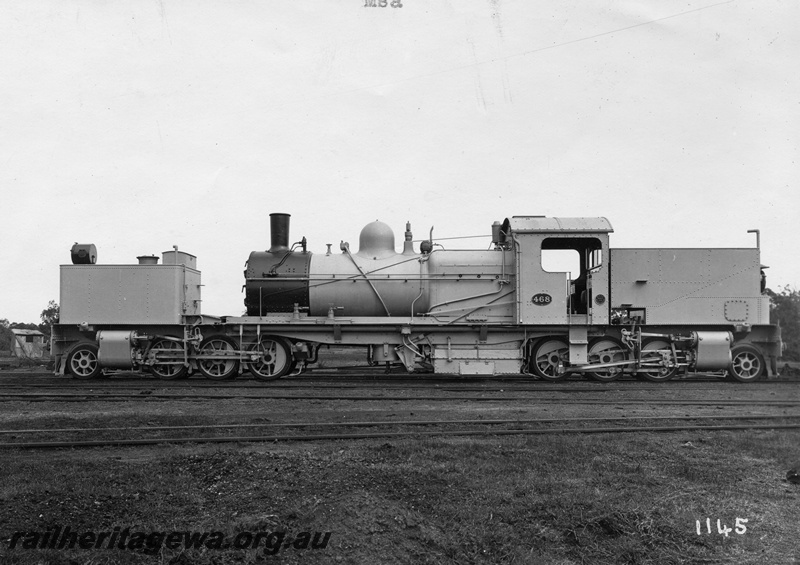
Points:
[[421, 283]]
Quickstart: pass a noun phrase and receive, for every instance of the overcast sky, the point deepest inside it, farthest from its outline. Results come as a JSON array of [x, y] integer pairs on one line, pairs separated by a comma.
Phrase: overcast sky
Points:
[[141, 125]]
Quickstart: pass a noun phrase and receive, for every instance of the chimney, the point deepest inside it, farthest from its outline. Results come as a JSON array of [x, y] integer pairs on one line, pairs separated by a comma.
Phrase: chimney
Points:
[[279, 232]]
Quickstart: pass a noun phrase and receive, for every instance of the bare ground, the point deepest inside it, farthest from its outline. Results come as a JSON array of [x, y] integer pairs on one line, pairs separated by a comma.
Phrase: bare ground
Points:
[[559, 499]]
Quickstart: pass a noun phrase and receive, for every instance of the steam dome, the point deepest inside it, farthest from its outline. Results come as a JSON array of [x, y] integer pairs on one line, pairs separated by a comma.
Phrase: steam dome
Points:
[[376, 240]]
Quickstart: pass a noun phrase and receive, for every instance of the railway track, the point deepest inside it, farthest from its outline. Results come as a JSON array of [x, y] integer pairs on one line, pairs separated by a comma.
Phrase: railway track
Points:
[[348, 375], [17, 388], [483, 385], [115, 396], [443, 399], [389, 429]]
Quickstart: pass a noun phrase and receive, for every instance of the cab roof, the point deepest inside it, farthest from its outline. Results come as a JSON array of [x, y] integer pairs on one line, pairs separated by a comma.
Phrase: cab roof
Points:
[[540, 224]]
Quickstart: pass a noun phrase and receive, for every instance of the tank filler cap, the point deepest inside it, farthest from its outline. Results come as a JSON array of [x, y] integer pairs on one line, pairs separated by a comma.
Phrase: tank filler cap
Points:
[[147, 259], [376, 241]]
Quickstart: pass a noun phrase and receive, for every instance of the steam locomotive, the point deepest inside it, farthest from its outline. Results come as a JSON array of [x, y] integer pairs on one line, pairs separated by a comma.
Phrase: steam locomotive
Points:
[[648, 313]]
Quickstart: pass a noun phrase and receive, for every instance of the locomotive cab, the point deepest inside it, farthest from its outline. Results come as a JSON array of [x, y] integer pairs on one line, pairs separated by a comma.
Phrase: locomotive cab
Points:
[[588, 253], [547, 297]]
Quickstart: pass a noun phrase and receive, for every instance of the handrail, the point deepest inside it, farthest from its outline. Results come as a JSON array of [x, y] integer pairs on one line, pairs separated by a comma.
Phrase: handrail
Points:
[[346, 249]]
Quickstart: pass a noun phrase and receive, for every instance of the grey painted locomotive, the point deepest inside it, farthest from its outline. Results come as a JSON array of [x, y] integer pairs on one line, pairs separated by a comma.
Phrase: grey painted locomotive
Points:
[[651, 313]]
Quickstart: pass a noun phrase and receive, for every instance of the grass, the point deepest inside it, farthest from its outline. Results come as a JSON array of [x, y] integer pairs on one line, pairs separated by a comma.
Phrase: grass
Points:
[[560, 500]]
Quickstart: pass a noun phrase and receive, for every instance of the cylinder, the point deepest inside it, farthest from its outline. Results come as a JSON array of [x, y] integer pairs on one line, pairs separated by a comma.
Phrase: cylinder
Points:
[[279, 232], [713, 350], [148, 260], [84, 254], [116, 348]]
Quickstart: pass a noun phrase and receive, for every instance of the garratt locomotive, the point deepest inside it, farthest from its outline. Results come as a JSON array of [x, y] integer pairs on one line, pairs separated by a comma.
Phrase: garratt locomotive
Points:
[[650, 313]]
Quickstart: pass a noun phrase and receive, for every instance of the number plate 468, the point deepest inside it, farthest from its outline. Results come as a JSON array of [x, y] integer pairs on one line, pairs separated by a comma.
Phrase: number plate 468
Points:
[[541, 299]]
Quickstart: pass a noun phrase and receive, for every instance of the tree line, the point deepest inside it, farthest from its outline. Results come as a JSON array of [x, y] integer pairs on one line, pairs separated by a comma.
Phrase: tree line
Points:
[[784, 310], [49, 316]]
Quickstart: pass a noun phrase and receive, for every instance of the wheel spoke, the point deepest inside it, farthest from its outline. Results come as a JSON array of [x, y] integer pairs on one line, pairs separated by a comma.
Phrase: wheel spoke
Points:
[[82, 361], [218, 369], [603, 351], [172, 354], [650, 352], [274, 359], [747, 363], [548, 357]]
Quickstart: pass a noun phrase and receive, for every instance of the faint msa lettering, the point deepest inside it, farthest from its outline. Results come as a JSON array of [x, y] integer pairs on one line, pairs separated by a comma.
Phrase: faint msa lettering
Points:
[[383, 3], [722, 529]]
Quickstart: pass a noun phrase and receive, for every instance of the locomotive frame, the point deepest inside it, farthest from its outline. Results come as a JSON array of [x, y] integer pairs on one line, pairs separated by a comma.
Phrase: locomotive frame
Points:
[[652, 313]]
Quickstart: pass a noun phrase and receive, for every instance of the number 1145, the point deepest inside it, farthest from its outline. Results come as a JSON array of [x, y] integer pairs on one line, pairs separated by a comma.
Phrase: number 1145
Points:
[[722, 529]]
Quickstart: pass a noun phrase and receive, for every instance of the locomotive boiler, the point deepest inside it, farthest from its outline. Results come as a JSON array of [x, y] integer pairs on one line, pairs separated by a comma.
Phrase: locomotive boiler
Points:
[[649, 313], [373, 281]]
